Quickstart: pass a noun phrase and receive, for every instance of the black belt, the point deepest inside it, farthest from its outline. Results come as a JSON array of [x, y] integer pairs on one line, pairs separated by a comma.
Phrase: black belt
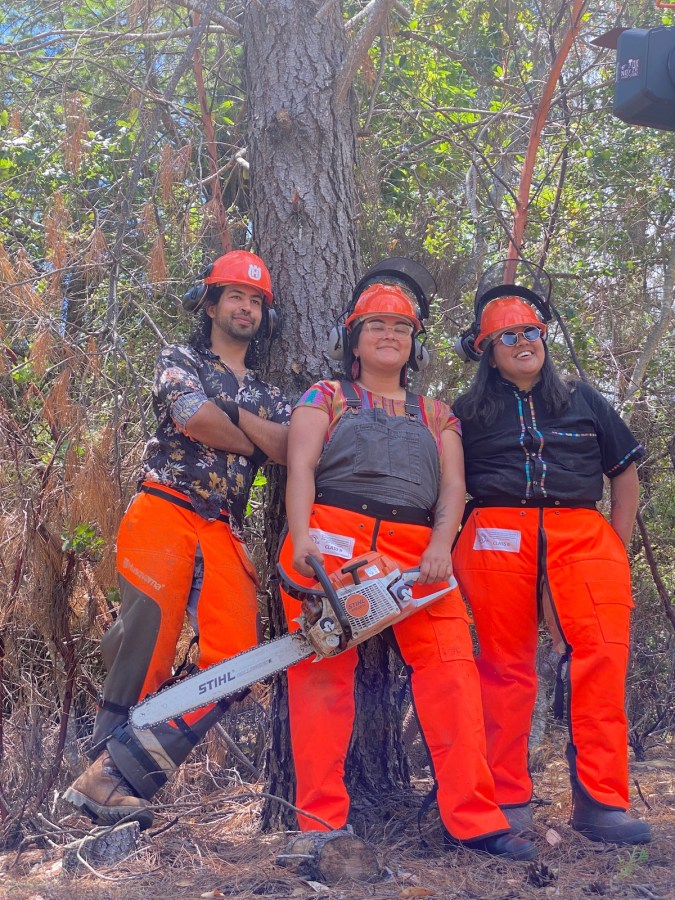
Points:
[[183, 502], [538, 503], [409, 515]]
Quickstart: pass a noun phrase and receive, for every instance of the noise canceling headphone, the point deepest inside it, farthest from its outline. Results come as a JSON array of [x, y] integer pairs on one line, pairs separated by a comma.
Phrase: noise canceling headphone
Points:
[[193, 300], [508, 278], [410, 275], [338, 346]]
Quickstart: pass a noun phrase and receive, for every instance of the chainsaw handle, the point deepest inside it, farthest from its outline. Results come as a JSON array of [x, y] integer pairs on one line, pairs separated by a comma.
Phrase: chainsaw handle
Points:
[[298, 591], [331, 596], [410, 576], [301, 592]]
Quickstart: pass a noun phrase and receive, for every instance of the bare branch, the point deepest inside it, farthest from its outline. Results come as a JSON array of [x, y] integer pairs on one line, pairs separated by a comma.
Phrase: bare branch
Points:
[[350, 24], [378, 11], [538, 122], [656, 333], [653, 568], [200, 6], [40, 41], [376, 86]]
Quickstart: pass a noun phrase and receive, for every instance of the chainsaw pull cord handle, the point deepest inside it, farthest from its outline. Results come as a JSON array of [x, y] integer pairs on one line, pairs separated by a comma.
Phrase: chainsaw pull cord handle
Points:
[[331, 596]]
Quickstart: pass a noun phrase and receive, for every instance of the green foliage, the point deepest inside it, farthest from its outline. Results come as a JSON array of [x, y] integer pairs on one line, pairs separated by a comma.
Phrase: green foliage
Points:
[[83, 539], [638, 856]]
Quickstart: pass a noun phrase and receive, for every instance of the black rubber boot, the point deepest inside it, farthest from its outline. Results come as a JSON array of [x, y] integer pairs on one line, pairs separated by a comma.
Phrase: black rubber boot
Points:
[[520, 819], [612, 826], [508, 846]]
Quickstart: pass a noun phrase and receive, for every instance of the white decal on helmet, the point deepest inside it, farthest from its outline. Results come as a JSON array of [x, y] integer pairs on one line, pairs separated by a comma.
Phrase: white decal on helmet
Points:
[[254, 272]]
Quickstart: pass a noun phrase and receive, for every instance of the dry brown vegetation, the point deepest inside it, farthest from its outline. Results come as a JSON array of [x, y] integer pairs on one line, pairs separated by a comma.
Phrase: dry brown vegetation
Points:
[[206, 842]]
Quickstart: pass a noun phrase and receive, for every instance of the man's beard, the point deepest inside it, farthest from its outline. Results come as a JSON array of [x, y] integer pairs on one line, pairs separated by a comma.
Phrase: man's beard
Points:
[[240, 333]]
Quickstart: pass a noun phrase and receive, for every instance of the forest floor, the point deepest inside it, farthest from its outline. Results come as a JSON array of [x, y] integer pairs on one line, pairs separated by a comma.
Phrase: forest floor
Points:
[[204, 846]]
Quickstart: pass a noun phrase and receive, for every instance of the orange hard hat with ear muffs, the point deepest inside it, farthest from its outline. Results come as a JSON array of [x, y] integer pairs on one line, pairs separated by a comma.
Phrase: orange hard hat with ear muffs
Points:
[[388, 288], [501, 290], [505, 312], [235, 267]]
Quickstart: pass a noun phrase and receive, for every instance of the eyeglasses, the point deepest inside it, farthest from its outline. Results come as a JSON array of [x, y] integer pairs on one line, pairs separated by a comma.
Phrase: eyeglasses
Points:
[[379, 329], [510, 338]]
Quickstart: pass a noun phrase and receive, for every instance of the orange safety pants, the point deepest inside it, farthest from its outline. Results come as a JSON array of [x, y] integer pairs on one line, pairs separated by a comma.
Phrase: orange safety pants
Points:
[[435, 644], [156, 547], [569, 563]]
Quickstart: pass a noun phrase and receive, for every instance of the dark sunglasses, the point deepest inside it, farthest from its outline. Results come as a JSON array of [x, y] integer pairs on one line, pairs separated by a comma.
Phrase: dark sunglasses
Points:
[[510, 338]]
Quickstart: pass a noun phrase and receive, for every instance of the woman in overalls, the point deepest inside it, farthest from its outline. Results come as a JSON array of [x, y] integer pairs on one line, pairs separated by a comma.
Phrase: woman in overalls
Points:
[[372, 467]]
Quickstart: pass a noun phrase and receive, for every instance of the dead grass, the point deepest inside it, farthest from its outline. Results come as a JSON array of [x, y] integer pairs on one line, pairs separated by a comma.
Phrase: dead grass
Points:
[[208, 844]]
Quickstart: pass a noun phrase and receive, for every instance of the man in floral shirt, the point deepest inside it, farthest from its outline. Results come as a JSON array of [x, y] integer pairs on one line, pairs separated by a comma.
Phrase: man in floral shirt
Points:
[[180, 545]]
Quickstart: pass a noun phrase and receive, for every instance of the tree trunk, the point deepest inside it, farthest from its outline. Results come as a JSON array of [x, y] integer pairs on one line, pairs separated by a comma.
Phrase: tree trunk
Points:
[[302, 154]]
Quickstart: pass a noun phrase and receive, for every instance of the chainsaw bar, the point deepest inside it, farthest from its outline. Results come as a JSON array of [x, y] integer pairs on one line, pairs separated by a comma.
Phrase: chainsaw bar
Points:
[[221, 680]]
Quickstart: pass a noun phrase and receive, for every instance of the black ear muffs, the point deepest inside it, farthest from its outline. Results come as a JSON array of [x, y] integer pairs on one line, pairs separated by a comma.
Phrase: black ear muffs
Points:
[[338, 348], [419, 358], [465, 347], [338, 343], [193, 300]]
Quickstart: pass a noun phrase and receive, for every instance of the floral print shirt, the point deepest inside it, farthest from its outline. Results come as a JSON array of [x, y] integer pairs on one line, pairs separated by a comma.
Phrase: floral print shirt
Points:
[[214, 481]]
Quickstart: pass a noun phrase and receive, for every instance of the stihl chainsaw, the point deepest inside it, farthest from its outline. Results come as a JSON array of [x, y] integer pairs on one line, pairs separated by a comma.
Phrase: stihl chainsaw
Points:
[[341, 610]]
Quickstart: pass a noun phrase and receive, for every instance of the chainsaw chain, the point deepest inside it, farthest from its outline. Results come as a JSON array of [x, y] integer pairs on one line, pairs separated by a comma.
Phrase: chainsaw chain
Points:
[[201, 673]]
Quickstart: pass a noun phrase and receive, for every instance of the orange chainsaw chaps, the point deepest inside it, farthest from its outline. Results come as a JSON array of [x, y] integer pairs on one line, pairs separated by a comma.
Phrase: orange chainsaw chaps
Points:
[[586, 575], [156, 548], [435, 644]]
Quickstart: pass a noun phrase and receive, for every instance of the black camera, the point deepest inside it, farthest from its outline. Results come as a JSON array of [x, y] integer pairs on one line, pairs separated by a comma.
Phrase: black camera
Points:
[[644, 92]]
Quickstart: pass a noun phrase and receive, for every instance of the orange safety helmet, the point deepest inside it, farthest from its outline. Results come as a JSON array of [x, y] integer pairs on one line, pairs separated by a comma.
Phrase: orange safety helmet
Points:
[[503, 313], [240, 267], [384, 300]]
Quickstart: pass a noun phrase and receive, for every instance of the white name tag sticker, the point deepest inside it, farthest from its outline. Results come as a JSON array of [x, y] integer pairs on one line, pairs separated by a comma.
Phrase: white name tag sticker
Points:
[[504, 539], [333, 544]]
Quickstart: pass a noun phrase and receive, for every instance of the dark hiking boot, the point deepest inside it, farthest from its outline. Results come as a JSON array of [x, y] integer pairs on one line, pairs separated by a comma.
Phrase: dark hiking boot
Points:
[[508, 846], [103, 794], [612, 826], [520, 819]]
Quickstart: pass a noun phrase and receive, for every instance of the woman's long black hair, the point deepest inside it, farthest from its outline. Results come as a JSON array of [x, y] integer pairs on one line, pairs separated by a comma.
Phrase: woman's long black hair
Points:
[[200, 336], [483, 401]]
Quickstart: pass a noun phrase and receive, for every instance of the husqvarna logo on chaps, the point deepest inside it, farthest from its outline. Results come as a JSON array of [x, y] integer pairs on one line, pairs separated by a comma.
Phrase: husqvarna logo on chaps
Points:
[[148, 579], [254, 272]]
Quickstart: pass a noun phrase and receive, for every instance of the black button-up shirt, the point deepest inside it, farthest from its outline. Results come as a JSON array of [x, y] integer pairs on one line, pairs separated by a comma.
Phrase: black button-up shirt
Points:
[[528, 453]]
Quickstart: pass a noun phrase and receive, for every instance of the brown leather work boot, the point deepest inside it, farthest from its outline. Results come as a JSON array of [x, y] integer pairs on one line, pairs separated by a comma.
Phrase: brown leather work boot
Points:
[[103, 794]]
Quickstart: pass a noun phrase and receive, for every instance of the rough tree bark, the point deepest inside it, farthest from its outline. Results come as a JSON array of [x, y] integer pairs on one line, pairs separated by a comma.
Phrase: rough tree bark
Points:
[[302, 155]]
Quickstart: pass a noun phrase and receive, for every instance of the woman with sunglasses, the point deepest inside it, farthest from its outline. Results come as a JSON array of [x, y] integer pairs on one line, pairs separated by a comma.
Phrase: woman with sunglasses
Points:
[[372, 467], [533, 544]]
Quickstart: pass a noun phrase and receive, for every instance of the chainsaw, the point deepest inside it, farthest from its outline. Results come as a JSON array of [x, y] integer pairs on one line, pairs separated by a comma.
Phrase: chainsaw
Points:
[[339, 611]]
